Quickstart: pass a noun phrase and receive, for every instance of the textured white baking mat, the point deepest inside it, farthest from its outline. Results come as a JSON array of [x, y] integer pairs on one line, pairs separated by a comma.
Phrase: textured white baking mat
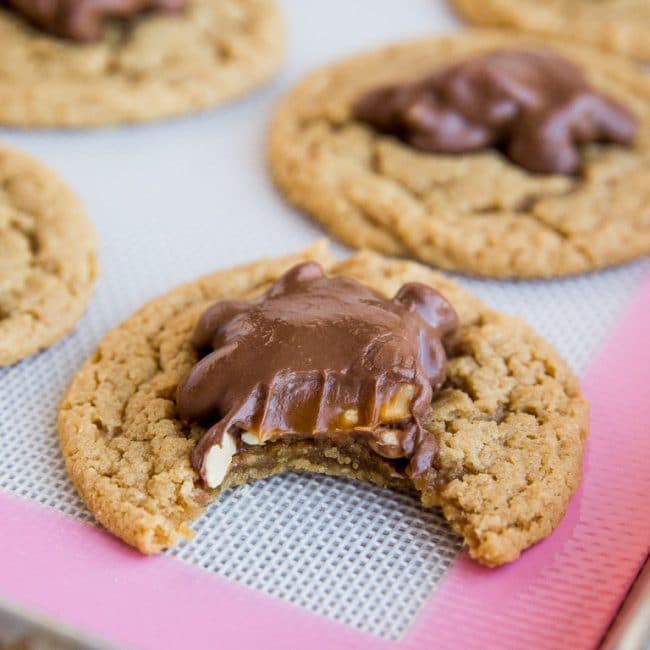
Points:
[[175, 200]]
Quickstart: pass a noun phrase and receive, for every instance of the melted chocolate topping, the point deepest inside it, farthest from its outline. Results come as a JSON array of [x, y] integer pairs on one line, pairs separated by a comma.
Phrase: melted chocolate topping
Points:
[[83, 20], [321, 357], [536, 106]]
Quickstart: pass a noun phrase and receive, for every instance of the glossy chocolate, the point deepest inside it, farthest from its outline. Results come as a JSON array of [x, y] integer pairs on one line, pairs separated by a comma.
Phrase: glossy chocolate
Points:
[[321, 357], [83, 20], [534, 105]]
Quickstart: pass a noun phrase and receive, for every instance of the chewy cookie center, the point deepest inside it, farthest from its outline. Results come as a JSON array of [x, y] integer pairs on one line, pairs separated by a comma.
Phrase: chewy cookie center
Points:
[[318, 358]]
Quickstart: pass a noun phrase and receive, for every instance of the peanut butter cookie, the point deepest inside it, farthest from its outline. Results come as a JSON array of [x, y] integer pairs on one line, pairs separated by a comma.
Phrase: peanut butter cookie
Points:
[[400, 172], [621, 26], [149, 65], [509, 420], [48, 262]]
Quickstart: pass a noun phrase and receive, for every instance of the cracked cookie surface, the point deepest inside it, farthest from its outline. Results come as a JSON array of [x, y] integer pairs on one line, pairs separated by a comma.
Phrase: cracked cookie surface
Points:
[[621, 26], [476, 213], [48, 263], [157, 65], [510, 420]]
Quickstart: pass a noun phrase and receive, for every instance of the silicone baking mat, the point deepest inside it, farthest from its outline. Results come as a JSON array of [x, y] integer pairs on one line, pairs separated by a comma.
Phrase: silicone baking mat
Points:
[[175, 200]]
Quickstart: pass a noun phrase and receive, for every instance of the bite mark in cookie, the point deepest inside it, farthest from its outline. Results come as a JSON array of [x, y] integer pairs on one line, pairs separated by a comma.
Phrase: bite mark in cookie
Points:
[[509, 419], [318, 357]]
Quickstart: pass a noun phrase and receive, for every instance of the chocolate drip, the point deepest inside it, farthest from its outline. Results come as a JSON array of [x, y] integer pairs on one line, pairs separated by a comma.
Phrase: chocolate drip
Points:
[[321, 357]]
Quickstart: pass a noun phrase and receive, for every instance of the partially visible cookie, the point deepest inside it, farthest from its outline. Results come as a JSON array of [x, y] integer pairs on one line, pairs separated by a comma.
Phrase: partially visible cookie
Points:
[[510, 420], [48, 258], [474, 212], [621, 26], [154, 65]]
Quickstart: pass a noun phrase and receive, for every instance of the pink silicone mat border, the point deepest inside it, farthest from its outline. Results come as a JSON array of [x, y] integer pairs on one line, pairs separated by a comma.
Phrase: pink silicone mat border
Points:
[[560, 594]]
